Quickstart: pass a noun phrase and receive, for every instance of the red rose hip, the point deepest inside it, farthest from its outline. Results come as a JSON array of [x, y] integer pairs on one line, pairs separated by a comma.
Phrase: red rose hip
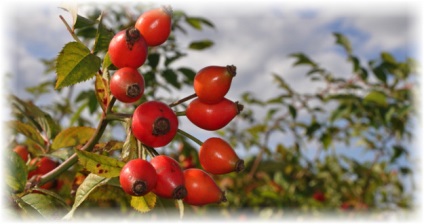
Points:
[[154, 123], [138, 177], [170, 182]]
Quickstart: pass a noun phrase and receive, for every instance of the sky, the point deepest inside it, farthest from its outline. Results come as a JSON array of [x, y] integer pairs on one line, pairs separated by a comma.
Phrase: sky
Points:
[[256, 36]]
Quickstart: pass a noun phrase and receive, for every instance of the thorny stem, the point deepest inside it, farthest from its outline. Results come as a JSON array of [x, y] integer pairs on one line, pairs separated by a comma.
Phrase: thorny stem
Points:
[[191, 137], [70, 30], [87, 147], [180, 101]]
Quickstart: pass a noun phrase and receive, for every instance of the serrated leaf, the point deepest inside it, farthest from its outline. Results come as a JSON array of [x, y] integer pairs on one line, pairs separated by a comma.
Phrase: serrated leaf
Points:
[[43, 204], [91, 182], [344, 42], [29, 131], [75, 64], [200, 45], [376, 97], [16, 173], [103, 37], [144, 203], [72, 136], [101, 165], [102, 92], [41, 120]]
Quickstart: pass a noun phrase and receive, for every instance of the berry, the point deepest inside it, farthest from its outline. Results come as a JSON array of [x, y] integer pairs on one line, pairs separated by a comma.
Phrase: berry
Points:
[[127, 85], [138, 177], [154, 123], [170, 182], [213, 82], [212, 117], [155, 25], [128, 49], [41, 166], [201, 188], [218, 157]]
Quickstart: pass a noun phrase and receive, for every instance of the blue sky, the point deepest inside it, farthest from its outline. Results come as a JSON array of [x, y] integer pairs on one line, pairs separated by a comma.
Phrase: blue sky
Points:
[[257, 38]]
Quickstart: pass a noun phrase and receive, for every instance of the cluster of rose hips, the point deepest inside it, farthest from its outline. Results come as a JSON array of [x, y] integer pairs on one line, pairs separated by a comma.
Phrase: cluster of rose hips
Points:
[[155, 124]]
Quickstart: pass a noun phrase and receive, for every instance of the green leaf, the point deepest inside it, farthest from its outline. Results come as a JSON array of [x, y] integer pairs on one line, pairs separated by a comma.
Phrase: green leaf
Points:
[[16, 173], [326, 140], [78, 21], [188, 73], [153, 60], [46, 205], [200, 45], [75, 64], [380, 73], [293, 111], [196, 22], [376, 97], [107, 64], [101, 165], [29, 131], [302, 59], [172, 78], [91, 182], [103, 37], [398, 150], [144, 203], [344, 42], [41, 120], [72, 136], [387, 57]]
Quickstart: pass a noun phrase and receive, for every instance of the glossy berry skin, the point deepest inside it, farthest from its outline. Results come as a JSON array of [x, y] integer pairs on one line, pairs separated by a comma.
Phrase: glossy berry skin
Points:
[[128, 49], [154, 123], [138, 177], [170, 182], [127, 85], [22, 151], [212, 83], [155, 25], [212, 117], [201, 188], [217, 157], [42, 166]]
